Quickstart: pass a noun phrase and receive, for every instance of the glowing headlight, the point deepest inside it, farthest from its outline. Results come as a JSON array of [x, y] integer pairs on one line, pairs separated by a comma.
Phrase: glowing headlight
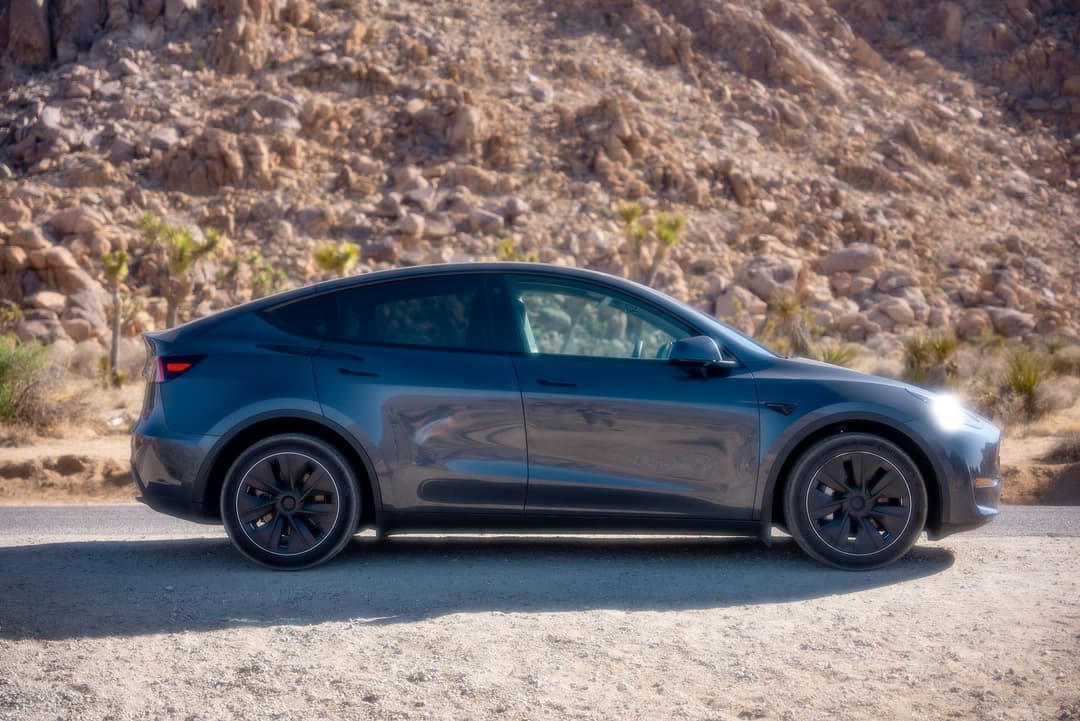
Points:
[[948, 413]]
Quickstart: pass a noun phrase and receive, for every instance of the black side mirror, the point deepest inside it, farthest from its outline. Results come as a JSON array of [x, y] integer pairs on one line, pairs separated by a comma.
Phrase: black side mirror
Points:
[[699, 351]]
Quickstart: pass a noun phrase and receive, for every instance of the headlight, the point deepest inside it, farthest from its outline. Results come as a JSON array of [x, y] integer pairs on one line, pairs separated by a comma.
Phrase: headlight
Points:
[[947, 411]]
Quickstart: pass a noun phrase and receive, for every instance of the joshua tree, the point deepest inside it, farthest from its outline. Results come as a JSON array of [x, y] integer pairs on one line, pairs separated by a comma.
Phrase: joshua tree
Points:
[[664, 233], [179, 251], [337, 259], [116, 264], [668, 231], [266, 278]]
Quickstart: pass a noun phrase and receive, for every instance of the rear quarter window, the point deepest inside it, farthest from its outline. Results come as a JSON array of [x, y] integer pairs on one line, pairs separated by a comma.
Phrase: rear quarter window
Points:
[[310, 317]]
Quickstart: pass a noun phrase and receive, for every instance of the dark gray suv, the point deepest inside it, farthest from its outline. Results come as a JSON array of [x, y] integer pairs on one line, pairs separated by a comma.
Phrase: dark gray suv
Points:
[[527, 397]]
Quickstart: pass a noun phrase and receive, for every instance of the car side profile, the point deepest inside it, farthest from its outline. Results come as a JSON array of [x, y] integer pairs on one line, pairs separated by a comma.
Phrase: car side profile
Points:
[[526, 397]]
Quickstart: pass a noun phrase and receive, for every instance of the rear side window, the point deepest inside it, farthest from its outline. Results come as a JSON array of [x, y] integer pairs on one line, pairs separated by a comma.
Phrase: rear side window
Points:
[[438, 312], [310, 317]]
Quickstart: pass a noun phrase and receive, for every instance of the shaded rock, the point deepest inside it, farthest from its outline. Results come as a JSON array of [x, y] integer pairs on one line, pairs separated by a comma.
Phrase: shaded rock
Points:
[[854, 258], [78, 219], [1010, 322], [466, 130], [973, 324], [30, 40], [742, 186]]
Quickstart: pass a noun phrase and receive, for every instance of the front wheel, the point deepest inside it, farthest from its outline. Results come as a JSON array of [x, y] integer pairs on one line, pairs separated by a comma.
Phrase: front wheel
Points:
[[855, 501], [290, 502]]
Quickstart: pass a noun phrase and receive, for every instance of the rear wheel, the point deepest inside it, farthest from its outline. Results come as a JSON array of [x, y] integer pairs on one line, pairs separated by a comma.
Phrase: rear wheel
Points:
[[855, 501], [290, 502]]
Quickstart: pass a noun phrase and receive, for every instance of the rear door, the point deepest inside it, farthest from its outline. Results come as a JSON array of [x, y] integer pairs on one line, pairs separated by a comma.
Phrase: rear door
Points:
[[612, 426], [409, 367]]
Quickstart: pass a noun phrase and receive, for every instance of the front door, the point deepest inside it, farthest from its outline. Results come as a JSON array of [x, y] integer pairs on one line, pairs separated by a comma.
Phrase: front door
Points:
[[612, 426]]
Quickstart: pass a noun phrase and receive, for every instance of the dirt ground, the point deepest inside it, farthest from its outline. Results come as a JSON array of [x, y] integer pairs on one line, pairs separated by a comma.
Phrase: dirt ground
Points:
[[970, 628]]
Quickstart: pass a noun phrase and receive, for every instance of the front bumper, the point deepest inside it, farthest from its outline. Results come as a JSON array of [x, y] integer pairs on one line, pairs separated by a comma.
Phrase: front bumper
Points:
[[969, 476]]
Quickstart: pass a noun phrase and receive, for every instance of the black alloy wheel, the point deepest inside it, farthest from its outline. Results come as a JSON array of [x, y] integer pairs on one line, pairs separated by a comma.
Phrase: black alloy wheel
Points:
[[290, 502], [855, 501]]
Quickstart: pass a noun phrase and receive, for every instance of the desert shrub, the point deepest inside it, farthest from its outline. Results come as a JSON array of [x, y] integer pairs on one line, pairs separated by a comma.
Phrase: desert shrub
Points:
[[1067, 450], [928, 360], [1025, 370], [506, 250], [835, 353], [1066, 360], [788, 324], [337, 259], [26, 375]]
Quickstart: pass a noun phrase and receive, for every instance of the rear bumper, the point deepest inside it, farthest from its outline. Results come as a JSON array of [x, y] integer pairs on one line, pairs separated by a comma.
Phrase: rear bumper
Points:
[[165, 466]]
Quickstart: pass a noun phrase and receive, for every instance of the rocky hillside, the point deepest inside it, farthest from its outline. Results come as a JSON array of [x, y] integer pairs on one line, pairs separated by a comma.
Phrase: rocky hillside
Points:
[[903, 165]]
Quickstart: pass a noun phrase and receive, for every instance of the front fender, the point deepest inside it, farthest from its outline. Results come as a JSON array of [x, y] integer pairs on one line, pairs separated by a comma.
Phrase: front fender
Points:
[[780, 442]]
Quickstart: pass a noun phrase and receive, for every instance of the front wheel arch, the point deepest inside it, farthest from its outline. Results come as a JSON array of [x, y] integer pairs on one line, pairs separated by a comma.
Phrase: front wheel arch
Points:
[[772, 511]]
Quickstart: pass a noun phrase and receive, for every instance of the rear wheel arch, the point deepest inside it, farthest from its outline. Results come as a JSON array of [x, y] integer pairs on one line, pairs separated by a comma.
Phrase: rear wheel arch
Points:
[[773, 502], [240, 439]]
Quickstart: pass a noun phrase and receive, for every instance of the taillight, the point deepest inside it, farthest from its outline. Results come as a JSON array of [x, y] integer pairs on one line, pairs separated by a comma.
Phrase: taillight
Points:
[[171, 367]]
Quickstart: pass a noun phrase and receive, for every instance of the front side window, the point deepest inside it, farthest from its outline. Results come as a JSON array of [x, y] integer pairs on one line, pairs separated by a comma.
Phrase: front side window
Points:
[[556, 318]]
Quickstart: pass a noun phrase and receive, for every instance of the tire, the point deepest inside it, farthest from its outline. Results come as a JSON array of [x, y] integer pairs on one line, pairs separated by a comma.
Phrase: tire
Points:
[[855, 501], [309, 497]]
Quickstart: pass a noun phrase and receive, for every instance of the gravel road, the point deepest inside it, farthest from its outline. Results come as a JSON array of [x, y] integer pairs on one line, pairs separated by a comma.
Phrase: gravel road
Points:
[[116, 612]]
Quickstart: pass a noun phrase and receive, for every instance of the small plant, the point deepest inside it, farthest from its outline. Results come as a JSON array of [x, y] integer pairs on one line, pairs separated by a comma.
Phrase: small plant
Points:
[[116, 264], [337, 259], [266, 278], [11, 316], [507, 251], [928, 360], [662, 234], [1025, 371], [836, 354], [178, 252], [789, 324], [24, 378]]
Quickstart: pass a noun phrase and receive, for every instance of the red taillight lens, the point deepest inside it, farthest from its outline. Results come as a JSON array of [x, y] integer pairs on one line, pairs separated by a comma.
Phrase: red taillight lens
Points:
[[169, 368]]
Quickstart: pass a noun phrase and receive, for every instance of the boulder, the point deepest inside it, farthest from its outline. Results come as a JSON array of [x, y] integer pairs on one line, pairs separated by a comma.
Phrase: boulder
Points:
[[973, 324], [897, 309], [466, 130], [29, 38], [77, 219], [48, 300], [855, 258], [1010, 322], [75, 23], [768, 275]]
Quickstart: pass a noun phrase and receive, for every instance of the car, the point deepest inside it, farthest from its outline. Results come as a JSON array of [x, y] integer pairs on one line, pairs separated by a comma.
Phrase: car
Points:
[[521, 397]]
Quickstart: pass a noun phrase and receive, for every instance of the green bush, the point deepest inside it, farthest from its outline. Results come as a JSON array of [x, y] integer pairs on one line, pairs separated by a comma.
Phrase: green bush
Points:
[[24, 378], [928, 360], [836, 354], [1025, 371]]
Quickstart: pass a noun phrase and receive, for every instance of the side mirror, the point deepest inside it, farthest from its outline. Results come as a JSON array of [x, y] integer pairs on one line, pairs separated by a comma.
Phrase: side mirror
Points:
[[699, 351]]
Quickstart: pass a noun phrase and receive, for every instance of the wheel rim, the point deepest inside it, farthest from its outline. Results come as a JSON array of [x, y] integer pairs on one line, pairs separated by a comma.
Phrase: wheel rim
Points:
[[859, 503], [288, 504]]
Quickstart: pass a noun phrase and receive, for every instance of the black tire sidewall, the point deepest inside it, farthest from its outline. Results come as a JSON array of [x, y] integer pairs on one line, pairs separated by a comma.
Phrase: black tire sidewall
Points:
[[799, 524], [334, 462]]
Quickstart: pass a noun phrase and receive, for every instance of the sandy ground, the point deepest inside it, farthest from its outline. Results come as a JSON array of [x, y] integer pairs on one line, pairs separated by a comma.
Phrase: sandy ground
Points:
[[970, 628]]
